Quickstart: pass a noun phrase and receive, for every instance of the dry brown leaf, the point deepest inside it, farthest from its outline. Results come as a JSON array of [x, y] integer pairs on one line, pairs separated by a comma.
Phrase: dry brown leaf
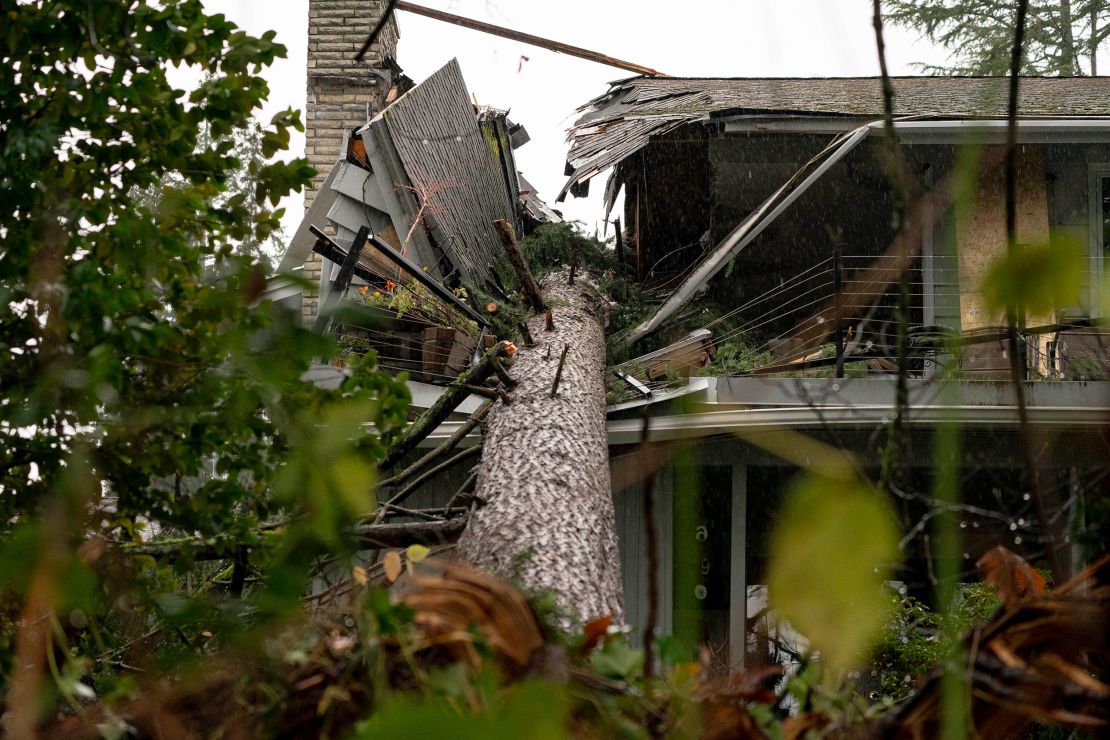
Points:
[[392, 565], [594, 632], [1043, 659], [1014, 578]]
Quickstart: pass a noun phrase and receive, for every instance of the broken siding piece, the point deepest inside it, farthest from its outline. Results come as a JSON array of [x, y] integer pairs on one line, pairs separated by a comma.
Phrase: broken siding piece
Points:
[[300, 246], [396, 191], [495, 127], [534, 207]]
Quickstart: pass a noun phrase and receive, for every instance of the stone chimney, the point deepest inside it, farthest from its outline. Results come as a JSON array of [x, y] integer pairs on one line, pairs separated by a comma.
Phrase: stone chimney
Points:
[[342, 93]]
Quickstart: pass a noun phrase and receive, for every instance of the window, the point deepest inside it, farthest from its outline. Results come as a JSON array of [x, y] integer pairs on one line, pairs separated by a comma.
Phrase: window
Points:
[[1099, 195]]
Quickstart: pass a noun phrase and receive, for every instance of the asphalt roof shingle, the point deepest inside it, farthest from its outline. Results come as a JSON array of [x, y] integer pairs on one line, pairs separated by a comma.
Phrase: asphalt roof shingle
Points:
[[622, 120]]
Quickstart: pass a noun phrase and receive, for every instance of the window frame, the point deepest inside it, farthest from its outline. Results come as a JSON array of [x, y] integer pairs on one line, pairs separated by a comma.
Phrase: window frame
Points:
[[1096, 173]]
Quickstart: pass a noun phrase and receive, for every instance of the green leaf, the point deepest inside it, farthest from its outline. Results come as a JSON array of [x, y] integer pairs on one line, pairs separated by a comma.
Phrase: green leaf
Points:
[[831, 552], [416, 553], [1041, 278], [616, 659], [535, 710]]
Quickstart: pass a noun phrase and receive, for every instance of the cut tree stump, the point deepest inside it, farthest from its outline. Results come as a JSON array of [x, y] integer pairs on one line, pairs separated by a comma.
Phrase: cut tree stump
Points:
[[545, 508]]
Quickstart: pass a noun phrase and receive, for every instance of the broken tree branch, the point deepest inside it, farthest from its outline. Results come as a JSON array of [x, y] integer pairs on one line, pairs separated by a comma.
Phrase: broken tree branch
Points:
[[527, 38], [429, 515], [379, 535], [415, 433], [507, 380], [424, 477], [520, 264], [559, 370], [460, 434], [466, 488], [478, 390], [411, 533]]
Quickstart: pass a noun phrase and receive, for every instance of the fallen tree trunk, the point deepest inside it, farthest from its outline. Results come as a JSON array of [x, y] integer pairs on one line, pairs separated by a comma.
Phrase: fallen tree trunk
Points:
[[544, 513]]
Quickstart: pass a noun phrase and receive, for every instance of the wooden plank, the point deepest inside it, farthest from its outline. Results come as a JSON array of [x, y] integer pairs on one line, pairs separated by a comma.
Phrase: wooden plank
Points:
[[636, 385], [419, 275], [527, 38], [339, 286]]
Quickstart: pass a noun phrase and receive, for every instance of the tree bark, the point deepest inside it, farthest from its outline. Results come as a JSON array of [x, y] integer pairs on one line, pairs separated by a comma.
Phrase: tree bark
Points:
[[544, 511]]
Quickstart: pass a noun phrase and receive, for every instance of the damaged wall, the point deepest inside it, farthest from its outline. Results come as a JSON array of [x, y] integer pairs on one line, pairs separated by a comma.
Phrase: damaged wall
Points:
[[342, 93]]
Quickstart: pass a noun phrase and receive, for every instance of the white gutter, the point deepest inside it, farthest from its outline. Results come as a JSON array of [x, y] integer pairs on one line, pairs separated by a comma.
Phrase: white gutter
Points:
[[710, 423], [690, 426]]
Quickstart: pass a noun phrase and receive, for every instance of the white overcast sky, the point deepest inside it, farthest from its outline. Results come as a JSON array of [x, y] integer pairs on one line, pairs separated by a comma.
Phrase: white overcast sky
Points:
[[700, 38]]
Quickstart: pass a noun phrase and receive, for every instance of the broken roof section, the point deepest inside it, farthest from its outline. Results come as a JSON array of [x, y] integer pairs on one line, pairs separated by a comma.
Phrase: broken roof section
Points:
[[622, 121], [428, 176], [637, 111], [449, 168]]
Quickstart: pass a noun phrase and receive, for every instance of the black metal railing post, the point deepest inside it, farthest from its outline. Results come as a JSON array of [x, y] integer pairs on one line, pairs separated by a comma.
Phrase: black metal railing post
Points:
[[838, 328]]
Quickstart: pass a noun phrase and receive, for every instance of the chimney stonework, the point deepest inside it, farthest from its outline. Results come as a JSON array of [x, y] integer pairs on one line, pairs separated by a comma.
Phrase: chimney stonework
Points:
[[342, 93]]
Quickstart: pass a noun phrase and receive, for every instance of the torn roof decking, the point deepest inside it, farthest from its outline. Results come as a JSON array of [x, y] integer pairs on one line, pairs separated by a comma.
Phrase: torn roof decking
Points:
[[623, 120], [448, 160], [534, 206], [429, 140]]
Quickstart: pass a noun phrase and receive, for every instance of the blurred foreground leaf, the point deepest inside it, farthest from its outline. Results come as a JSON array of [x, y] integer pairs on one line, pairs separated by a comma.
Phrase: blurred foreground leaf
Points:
[[830, 554], [1042, 278], [530, 711]]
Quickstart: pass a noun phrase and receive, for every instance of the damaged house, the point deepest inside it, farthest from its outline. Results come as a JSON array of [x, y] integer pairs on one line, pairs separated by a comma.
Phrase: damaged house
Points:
[[758, 218], [409, 210]]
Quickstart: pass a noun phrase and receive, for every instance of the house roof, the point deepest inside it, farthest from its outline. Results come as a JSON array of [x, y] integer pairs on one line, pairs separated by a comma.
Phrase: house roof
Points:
[[623, 120]]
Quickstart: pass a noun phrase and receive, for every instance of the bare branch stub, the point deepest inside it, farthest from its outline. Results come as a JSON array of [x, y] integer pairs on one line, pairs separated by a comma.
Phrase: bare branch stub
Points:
[[528, 341], [516, 258], [507, 380], [559, 371], [549, 321], [477, 390]]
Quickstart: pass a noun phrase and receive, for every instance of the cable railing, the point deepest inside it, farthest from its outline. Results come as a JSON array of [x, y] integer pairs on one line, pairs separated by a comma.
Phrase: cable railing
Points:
[[838, 317]]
